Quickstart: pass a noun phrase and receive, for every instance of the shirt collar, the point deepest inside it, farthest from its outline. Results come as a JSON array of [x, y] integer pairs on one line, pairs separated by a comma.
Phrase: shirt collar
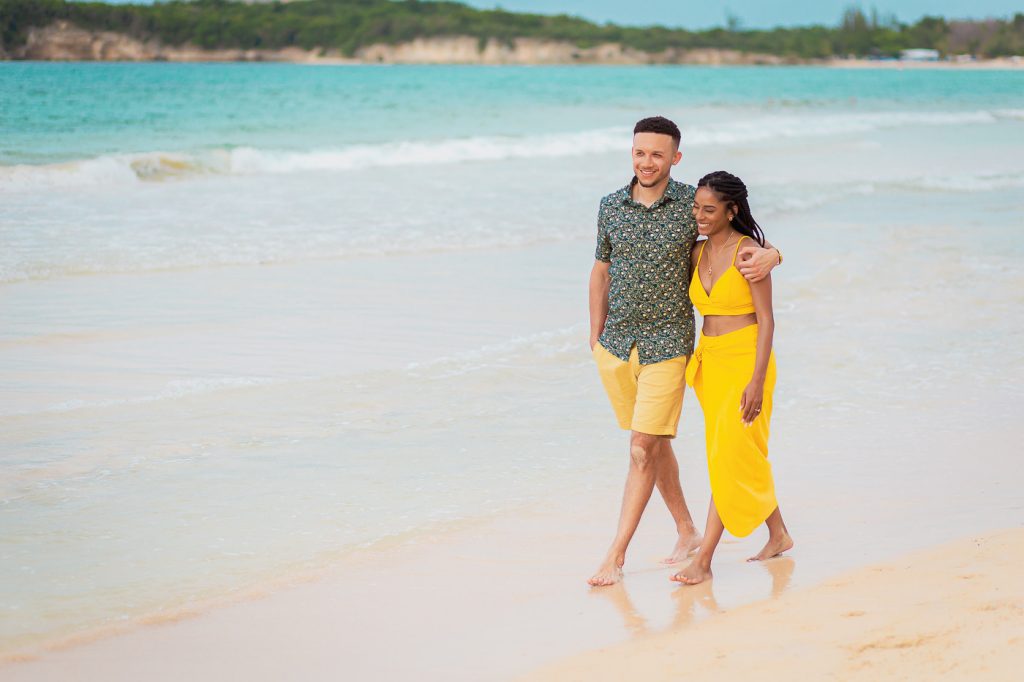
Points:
[[672, 192]]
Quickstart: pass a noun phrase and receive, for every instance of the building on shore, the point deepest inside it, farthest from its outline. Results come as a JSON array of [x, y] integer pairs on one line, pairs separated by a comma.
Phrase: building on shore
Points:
[[919, 55]]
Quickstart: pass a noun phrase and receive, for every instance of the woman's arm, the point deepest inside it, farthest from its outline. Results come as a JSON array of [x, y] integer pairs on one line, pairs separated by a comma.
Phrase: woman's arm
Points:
[[753, 394]]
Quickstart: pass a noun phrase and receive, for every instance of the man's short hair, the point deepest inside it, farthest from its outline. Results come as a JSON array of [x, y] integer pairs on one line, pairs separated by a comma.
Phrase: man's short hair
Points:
[[660, 125]]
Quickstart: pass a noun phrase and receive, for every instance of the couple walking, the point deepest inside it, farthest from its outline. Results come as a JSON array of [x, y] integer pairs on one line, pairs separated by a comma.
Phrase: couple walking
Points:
[[649, 268]]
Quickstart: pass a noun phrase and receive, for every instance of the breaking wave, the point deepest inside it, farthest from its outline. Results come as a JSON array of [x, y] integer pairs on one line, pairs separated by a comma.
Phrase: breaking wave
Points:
[[161, 166]]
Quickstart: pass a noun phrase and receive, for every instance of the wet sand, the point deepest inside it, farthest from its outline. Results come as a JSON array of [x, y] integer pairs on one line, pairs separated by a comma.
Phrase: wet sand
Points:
[[952, 612], [506, 596], [486, 600]]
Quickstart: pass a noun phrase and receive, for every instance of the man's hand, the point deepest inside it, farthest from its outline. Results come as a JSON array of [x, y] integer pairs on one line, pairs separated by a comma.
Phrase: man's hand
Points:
[[600, 281], [755, 263]]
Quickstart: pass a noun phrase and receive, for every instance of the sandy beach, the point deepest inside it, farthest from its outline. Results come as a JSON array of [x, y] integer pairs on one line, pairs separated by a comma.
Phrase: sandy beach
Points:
[[1000, 64], [471, 601], [952, 612], [504, 598]]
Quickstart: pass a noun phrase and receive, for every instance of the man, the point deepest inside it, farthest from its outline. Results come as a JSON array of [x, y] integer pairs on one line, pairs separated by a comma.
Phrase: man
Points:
[[642, 326]]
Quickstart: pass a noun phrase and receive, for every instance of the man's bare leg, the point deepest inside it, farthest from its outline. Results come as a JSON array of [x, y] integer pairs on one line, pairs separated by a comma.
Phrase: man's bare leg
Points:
[[699, 569], [644, 451], [779, 540], [672, 492]]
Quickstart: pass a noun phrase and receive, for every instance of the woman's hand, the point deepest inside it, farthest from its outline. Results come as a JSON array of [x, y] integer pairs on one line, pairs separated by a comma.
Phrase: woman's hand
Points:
[[750, 401]]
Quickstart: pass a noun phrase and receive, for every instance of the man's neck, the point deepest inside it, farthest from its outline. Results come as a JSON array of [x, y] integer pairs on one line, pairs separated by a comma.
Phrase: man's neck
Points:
[[648, 195]]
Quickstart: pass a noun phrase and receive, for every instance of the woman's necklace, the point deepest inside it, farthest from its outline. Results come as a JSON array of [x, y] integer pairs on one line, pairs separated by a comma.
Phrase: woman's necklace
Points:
[[711, 273]]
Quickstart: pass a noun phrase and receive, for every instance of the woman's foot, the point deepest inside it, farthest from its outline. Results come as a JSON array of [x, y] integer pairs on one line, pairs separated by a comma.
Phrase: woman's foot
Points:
[[609, 573], [775, 546], [695, 573], [686, 544]]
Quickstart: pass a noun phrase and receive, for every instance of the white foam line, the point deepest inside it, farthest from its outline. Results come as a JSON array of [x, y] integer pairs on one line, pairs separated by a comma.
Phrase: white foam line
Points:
[[166, 165]]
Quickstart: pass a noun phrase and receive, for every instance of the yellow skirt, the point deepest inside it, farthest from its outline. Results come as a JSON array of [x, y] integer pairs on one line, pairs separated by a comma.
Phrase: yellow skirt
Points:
[[741, 477]]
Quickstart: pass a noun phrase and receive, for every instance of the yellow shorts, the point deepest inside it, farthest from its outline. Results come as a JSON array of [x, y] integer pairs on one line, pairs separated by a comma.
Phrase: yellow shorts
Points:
[[645, 398]]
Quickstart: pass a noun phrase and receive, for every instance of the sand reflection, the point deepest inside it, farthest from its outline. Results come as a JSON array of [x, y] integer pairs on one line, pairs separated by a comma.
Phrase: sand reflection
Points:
[[692, 602], [781, 571]]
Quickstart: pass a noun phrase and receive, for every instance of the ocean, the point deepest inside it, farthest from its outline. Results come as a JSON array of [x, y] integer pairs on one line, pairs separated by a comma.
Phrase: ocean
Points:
[[257, 317]]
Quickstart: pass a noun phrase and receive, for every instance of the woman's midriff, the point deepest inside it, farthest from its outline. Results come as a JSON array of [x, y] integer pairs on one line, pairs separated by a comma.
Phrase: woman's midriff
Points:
[[717, 325]]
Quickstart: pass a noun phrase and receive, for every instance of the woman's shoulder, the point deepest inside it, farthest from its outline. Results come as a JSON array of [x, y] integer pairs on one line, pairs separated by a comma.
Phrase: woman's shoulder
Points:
[[697, 246], [741, 243]]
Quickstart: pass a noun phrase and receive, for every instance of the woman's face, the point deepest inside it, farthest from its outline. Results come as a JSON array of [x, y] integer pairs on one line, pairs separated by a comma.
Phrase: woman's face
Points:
[[711, 213]]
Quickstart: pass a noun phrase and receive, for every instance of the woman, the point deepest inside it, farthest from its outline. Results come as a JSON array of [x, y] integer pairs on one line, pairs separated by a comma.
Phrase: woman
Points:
[[733, 374]]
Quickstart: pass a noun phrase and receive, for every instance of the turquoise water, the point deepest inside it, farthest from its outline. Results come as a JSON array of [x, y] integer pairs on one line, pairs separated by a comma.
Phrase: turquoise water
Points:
[[59, 112]]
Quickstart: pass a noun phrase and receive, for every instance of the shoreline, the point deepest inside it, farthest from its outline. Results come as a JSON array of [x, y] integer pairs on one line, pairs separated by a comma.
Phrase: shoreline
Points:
[[842, 64], [355, 611], [644, 627], [957, 608], [245, 594], [1001, 64]]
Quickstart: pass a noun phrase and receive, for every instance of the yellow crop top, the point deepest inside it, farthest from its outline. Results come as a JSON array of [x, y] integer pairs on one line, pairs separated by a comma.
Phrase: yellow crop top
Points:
[[730, 295]]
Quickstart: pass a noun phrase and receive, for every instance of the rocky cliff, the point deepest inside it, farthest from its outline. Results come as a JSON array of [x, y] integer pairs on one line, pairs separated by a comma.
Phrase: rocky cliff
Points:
[[62, 41], [466, 50]]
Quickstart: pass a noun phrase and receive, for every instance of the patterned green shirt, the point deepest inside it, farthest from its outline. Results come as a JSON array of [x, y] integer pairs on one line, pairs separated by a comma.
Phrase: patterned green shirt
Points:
[[649, 252]]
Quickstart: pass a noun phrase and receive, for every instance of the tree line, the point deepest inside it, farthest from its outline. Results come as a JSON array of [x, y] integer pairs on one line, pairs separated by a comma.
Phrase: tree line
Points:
[[347, 25]]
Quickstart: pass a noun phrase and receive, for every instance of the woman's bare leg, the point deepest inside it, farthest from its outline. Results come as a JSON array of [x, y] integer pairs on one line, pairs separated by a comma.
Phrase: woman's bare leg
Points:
[[779, 539]]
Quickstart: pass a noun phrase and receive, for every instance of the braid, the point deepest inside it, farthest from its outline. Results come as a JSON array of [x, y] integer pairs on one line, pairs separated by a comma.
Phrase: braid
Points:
[[731, 189]]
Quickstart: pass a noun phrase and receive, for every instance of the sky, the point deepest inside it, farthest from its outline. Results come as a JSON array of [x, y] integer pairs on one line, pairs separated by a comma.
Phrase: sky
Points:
[[751, 13]]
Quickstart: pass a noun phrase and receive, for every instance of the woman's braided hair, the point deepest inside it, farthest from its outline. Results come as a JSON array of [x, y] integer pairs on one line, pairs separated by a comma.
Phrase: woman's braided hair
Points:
[[730, 189]]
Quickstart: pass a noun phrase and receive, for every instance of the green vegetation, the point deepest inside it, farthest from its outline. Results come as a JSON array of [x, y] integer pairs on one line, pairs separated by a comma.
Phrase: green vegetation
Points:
[[350, 24]]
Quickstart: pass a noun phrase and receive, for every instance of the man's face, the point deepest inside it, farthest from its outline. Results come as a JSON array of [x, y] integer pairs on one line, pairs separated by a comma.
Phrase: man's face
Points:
[[654, 155]]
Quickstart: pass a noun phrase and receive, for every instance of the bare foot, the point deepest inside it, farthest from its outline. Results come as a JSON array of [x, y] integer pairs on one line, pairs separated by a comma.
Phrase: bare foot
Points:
[[774, 547], [685, 546], [609, 573], [693, 574]]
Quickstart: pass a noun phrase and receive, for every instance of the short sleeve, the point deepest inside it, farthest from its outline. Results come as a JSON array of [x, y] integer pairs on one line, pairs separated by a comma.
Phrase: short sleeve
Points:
[[603, 252]]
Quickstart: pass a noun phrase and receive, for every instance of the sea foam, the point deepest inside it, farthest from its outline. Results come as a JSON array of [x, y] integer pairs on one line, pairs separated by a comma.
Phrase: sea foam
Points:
[[160, 166]]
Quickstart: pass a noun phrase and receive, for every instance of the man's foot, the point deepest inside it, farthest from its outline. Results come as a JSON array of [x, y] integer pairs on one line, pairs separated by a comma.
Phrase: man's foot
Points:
[[774, 547], [685, 546], [609, 573], [693, 574]]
